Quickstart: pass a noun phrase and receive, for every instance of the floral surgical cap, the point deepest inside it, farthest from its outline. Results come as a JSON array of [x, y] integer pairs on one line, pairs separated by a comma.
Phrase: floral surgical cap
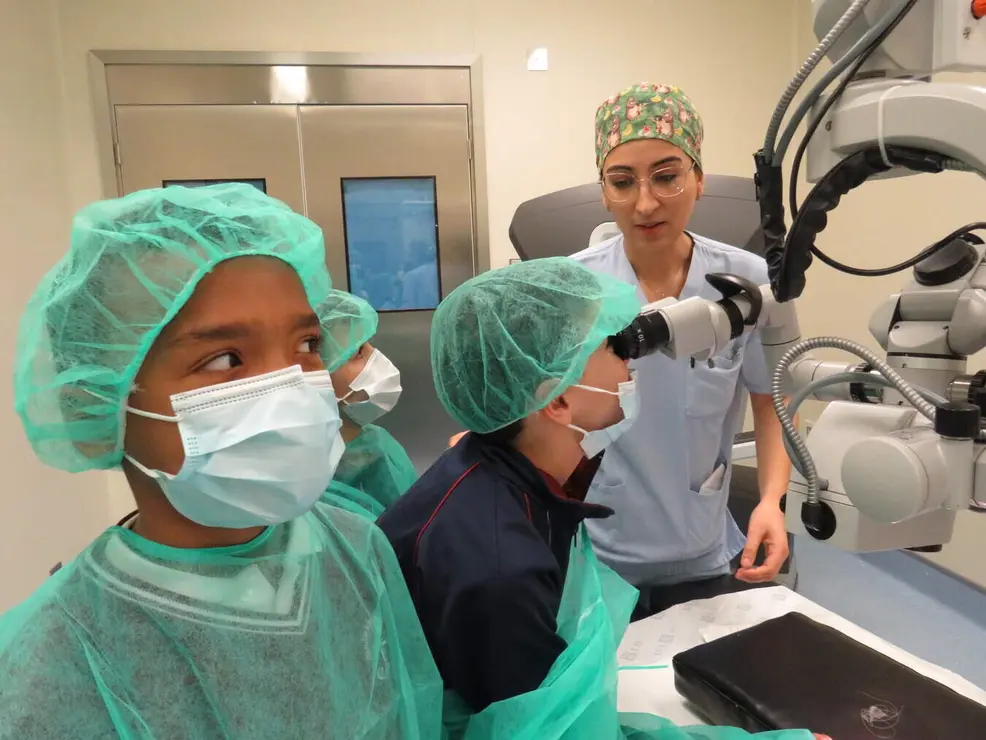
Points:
[[647, 111]]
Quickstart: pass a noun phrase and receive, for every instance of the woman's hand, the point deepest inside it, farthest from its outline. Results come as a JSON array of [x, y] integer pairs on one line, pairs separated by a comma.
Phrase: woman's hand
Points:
[[766, 528]]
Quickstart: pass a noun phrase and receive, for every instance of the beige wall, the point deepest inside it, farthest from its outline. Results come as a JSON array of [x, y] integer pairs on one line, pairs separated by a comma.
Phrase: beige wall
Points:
[[46, 515], [538, 125]]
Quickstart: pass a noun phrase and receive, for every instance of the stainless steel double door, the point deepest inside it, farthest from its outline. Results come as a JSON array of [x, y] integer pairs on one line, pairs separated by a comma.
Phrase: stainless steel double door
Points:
[[390, 185]]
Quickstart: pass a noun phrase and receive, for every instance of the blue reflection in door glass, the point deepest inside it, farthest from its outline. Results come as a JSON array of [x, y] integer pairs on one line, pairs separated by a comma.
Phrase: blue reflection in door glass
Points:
[[391, 229]]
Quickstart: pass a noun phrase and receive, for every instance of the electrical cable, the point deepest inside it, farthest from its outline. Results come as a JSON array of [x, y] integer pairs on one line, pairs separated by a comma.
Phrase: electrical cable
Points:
[[816, 92], [906, 264], [805, 71], [812, 513], [848, 77]]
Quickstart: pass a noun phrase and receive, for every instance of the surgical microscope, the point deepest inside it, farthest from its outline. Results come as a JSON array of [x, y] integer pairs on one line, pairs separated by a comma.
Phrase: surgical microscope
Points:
[[899, 448]]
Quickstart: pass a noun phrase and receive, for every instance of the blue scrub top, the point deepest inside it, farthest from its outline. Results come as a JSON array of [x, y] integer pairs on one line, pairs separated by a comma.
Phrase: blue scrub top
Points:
[[667, 478]]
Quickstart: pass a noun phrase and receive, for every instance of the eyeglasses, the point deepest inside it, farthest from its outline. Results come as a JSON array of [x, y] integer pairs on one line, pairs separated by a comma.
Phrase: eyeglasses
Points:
[[665, 182]]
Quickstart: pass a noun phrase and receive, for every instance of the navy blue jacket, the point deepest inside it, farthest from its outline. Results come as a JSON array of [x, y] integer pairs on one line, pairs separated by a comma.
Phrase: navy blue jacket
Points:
[[483, 539]]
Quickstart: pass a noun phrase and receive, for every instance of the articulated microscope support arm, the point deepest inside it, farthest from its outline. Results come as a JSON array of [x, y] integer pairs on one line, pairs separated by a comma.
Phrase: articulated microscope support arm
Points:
[[887, 468], [946, 118]]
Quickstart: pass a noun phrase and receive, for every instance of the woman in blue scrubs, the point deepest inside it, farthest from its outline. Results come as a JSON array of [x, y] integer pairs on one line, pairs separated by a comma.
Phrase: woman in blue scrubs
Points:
[[668, 477]]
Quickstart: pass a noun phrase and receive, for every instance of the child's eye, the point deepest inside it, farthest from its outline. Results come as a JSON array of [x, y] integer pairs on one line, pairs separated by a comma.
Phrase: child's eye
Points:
[[310, 345], [223, 363]]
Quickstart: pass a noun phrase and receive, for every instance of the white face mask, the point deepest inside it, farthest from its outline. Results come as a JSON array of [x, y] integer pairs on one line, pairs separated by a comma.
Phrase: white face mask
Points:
[[258, 451], [598, 440], [380, 380]]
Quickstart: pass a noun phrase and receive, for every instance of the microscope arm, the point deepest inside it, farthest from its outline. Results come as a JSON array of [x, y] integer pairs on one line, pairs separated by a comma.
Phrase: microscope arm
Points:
[[893, 479], [699, 327], [779, 332], [899, 466], [889, 469], [943, 117]]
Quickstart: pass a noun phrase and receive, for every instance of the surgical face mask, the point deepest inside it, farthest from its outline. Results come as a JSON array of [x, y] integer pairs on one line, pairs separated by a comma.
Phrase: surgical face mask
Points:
[[380, 380], [258, 451], [595, 441]]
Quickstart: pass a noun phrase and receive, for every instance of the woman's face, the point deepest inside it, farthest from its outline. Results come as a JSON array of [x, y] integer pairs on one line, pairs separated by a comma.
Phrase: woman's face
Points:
[[648, 221], [345, 375], [223, 333]]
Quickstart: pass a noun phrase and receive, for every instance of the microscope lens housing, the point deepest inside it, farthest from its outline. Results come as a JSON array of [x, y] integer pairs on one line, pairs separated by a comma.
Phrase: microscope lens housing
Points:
[[646, 334]]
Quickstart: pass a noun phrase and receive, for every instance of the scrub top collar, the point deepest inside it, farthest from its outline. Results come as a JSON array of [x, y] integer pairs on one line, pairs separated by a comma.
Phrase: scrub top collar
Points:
[[694, 279]]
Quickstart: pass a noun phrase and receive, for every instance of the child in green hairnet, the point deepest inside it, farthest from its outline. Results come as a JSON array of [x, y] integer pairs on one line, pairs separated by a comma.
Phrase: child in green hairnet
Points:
[[523, 620], [177, 341], [375, 469]]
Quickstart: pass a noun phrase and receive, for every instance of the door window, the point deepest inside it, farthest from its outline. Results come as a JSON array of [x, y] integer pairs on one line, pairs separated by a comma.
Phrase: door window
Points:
[[391, 234]]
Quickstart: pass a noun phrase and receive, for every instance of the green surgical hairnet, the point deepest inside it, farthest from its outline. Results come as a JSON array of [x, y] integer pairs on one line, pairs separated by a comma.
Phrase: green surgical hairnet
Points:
[[348, 323], [307, 631], [133, 262], [507, 342], [373, 473]]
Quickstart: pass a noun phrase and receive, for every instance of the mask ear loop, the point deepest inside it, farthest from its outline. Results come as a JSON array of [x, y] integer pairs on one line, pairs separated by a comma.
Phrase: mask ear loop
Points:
[[623, 391], [595, 390], [352, 390], [154, 474], [152, 415]]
